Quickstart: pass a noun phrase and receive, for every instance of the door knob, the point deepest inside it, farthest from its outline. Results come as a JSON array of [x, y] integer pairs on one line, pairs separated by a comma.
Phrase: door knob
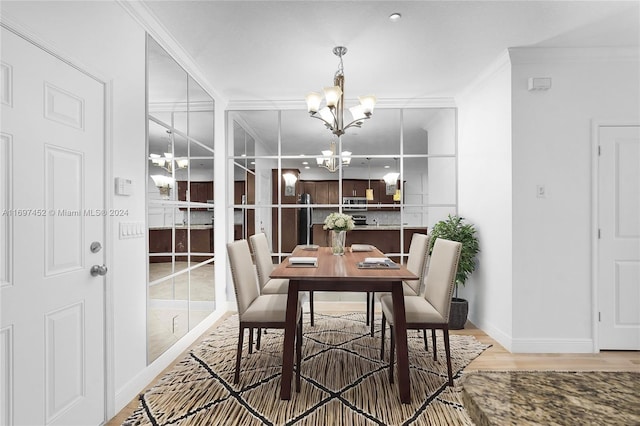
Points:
[[98, 270]]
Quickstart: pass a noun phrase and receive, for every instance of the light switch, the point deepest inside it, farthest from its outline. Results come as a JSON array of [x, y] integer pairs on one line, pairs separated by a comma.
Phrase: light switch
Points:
[[541, 191]]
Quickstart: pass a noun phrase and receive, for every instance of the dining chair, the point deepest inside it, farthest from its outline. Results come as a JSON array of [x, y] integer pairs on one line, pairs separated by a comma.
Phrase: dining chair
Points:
[[256, 310], [416, 264], [264, 266], [432, 310]]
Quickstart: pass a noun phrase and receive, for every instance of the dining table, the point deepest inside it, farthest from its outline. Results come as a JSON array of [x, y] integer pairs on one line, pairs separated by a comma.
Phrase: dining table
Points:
[[343, 273]]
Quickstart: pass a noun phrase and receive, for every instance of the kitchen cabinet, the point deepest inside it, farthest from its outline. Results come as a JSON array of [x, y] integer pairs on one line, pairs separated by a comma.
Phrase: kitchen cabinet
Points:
[[199, 192], [310, 187], [354, 187], [322, 191], [334, 192], [238, 191], [160, 241], [289, 215]]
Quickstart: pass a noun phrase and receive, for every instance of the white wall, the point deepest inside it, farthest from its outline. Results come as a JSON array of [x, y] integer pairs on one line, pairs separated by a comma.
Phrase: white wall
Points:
[[485, 196], [552, 147], [101, 38], [532, 290]]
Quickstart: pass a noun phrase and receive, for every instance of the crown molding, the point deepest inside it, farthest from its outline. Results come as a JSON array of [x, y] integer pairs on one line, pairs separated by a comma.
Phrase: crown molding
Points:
[[141, 13], [558, 55], [498, 65], [384, 103]]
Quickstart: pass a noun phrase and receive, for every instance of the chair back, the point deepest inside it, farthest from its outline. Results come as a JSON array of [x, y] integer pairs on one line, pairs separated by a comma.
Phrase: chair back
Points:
[[244, 278], [262, 253], [441, 276], [417, 260]]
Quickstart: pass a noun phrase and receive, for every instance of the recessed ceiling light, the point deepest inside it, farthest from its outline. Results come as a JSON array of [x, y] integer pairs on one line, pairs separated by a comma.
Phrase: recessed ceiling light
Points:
[[307, 167], [305, 162], [395, 17], [386, 167]]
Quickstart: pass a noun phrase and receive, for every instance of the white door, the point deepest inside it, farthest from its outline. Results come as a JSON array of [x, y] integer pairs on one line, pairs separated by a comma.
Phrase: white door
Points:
[[619, 243], [52, 195]]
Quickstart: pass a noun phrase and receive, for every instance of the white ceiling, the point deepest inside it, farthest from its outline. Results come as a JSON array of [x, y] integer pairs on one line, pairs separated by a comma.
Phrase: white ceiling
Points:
[[281, 50]]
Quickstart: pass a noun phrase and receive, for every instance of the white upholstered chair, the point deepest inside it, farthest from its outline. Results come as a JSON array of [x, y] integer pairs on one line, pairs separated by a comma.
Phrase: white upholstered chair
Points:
[[432, 310], [416, 264], [256, 310], [264, 266]]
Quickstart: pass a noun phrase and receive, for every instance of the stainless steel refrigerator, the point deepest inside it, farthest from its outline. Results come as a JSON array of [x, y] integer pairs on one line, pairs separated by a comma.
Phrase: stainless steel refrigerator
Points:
[[305, 220]]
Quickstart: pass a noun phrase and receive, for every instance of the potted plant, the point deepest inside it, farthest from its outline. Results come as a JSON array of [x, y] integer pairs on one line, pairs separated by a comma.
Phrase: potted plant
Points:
[[454, 228]]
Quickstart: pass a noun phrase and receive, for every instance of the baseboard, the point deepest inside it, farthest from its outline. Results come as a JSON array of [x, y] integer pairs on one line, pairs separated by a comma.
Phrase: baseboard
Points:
[[128, 392], [549, 345], [495, 333]]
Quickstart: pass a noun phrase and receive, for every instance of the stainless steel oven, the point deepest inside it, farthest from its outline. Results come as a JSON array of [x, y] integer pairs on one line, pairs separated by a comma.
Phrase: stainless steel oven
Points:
[[354, 204]]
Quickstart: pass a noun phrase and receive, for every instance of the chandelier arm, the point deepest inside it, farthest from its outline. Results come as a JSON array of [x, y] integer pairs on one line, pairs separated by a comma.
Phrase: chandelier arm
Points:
[[315, 115], [355, 123]]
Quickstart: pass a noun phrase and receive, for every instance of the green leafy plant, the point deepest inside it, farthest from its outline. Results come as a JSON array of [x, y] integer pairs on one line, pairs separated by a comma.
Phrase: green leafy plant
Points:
[[455, 229]]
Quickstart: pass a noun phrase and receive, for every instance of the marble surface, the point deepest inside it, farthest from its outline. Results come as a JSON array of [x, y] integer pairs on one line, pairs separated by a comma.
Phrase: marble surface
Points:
[[180, 226], [552, 398]]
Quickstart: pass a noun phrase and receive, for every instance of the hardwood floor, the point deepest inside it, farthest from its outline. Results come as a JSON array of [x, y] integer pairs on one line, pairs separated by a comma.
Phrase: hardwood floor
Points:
[[493, 359]]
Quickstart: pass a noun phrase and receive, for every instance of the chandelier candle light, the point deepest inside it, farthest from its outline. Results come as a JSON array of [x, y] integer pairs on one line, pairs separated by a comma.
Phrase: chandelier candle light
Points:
[[338, 224], [333, 113]]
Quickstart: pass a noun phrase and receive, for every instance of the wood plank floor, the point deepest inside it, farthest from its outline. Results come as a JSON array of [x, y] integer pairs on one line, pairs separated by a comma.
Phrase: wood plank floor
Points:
[[493, 359]]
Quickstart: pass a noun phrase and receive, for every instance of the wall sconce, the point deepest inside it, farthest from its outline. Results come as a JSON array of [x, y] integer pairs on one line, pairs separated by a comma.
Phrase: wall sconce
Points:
[[391, 180], [164, 185], [289, 183]]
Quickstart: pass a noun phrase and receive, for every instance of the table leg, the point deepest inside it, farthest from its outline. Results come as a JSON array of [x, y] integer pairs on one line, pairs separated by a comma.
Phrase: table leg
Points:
[[289, 340], [402, 352]]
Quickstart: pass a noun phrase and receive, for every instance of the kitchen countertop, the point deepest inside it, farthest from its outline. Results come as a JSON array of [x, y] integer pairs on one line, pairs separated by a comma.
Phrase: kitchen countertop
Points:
[[153, 228], [546, 398], [384, 227]]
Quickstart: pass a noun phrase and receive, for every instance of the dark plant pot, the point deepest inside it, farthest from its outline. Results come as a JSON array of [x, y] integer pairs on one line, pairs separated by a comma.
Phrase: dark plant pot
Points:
[[458, 314]]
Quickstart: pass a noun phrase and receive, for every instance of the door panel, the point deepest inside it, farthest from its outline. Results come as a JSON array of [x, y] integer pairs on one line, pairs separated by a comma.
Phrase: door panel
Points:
[[619, 244], [52, 317]]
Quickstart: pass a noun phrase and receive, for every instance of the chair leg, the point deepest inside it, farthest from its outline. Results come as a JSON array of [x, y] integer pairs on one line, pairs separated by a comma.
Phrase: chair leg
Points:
[[236, 377], [368, 309], [250, 340], [424, 337], [258, 339], [298, 354], [447, 351], [433, 341], [311, 306], [382, 332], [392, 354], [373, 311]]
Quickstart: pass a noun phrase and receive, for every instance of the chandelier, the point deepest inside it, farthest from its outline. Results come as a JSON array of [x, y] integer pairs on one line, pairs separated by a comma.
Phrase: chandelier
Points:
[[330, 162], [333, 113], [167, 161]]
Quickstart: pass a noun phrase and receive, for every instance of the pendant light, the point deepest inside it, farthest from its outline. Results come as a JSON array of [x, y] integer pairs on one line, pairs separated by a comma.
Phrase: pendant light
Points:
[[397, 195], [369, 191]]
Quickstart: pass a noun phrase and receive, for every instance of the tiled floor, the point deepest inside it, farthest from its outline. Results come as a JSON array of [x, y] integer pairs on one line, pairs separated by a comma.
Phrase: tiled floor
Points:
[[177, 304]]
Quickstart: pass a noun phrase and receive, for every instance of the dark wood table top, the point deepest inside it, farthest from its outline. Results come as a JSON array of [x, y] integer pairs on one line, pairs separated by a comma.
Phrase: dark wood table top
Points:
[[341, 268]]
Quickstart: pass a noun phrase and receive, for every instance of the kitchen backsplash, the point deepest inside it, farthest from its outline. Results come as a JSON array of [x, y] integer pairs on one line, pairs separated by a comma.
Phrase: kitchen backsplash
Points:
[[383, 218]]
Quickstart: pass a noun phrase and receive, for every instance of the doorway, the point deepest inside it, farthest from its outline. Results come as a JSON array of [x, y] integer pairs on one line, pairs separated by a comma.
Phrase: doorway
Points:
[[618, 243], [52, 261]]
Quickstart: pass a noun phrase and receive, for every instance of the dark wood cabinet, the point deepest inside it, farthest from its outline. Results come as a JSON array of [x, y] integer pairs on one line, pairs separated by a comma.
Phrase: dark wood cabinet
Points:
[[334, 192], [199, 192], [289, 215], [160, 241], [238, 191], [322, 191], [354, 187], [310, 187]]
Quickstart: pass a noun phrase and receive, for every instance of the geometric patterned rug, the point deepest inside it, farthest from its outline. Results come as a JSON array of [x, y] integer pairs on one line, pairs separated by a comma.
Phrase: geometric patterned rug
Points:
[[344, 382]]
